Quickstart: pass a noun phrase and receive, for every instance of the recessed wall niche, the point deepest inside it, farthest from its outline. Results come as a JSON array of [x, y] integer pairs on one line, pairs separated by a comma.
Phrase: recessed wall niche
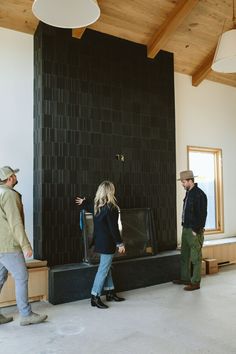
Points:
[[94, 99]]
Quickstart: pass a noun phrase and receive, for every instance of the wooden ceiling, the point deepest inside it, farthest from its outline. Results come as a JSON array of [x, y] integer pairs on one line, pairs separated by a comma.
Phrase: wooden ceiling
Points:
[[187, 28]]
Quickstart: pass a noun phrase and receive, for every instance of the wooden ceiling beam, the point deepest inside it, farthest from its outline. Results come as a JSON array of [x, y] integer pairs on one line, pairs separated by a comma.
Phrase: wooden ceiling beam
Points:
[[203, 70], [176, 17], [78, 32]]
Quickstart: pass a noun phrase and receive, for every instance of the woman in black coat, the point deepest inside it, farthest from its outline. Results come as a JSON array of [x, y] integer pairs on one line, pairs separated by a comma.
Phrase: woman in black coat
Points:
[[107, 239]]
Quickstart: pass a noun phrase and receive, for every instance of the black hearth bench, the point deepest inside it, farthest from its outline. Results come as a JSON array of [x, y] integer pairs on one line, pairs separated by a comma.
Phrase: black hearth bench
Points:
[[73, 282]]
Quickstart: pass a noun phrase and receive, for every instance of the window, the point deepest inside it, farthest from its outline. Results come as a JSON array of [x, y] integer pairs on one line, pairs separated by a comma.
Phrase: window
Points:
[[206, 164]]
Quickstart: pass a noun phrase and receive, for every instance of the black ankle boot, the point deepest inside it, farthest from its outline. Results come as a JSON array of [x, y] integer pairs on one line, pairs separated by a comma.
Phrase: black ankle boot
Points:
[[96, 301], [112, 296]]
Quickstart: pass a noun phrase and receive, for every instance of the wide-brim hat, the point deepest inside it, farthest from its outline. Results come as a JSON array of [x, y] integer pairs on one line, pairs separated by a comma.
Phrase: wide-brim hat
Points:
[[6, 172], [188, 174]]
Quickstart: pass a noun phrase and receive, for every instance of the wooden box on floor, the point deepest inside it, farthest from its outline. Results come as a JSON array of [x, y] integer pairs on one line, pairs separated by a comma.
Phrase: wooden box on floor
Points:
[[224, 250], [211, 265], [38, 284]]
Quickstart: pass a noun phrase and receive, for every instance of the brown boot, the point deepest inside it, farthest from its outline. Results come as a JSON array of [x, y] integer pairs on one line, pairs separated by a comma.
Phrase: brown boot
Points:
[[192, 287]]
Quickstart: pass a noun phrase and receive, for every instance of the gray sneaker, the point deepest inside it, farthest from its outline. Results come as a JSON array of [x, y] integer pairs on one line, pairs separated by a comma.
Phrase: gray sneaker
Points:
[[33, 318], [4, 319]]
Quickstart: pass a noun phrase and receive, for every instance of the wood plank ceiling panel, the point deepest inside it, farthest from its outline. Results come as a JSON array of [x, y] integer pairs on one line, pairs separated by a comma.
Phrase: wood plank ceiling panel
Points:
[[17, 15], [135, 20], [139, 20]]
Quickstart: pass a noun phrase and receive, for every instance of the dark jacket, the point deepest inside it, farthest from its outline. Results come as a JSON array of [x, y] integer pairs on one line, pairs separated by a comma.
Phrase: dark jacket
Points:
[[106, 231], [195, 210]]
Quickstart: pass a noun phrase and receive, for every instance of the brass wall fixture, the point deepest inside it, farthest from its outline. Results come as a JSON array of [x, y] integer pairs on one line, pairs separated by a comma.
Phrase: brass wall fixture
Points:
[[120, 157]]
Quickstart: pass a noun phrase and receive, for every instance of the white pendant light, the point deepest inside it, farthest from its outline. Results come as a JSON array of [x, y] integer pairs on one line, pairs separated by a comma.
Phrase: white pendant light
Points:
[[225, 56], [66, 13]]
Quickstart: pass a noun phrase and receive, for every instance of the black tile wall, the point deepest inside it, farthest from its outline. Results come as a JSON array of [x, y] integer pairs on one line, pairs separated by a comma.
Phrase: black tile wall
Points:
[[95, 98]]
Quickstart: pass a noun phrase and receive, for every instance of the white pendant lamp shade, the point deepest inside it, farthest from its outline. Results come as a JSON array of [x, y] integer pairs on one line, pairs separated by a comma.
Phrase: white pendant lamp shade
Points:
[[66, 13], [225, 55]]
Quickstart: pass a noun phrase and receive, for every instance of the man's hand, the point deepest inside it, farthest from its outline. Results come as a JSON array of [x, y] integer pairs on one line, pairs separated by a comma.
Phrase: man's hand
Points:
[[28, 253]]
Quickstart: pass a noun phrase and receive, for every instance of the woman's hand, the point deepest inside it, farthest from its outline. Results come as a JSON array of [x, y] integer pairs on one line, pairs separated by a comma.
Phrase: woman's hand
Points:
[[121, 249], [79, 200]]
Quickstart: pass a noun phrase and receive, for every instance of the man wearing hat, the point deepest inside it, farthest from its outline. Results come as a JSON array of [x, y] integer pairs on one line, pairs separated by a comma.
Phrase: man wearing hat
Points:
[[14, 245], [193, 221]]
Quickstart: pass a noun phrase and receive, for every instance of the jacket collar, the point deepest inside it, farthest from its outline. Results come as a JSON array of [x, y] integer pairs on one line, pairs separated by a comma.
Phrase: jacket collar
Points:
[[5, 186]]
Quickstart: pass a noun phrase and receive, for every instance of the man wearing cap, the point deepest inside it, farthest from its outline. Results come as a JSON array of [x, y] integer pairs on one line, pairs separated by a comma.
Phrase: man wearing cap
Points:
[[193, 221], [14, 245]]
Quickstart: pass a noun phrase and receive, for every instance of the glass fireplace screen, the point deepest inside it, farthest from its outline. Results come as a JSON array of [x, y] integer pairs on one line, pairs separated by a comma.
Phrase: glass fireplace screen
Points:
[[137, 230]]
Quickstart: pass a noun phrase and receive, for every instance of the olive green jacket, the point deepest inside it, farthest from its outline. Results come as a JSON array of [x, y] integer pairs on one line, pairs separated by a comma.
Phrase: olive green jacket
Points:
[[12, 231]]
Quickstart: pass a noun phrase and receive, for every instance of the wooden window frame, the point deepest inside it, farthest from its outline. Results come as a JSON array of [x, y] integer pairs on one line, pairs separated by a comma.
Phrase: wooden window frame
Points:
[[219, 207]]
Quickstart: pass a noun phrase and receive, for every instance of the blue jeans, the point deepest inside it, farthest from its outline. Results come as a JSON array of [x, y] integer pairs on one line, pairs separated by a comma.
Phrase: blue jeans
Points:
[[14, 262], [103, 278]]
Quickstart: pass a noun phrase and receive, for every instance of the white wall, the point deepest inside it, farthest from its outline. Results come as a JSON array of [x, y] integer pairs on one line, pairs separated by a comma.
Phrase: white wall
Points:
[[16, 113], [206, 116]]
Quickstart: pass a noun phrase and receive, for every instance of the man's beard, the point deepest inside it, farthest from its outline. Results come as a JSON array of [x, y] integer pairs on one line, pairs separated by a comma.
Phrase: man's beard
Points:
[[15, 184]]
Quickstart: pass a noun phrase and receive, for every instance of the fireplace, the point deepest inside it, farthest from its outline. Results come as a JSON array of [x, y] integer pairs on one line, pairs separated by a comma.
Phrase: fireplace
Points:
[[141, 266], [137, 230]]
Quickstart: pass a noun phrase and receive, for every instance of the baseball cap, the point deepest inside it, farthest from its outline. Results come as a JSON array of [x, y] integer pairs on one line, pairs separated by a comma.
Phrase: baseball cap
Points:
[[6, 172]]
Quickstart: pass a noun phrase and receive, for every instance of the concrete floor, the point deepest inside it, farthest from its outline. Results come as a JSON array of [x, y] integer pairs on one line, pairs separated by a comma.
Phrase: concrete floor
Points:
[[155, 320]]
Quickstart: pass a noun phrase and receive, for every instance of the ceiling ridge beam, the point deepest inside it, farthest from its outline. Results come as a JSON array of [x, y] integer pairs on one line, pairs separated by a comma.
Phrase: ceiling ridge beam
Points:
[[203, 70], [176, 17], [78, 32]]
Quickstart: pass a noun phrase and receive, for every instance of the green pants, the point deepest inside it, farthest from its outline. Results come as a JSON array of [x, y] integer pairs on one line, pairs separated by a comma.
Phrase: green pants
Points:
[[191, 256]]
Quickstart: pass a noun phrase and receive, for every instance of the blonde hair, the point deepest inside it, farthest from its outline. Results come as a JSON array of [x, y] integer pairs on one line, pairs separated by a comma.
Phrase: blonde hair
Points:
[[105, 195]]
